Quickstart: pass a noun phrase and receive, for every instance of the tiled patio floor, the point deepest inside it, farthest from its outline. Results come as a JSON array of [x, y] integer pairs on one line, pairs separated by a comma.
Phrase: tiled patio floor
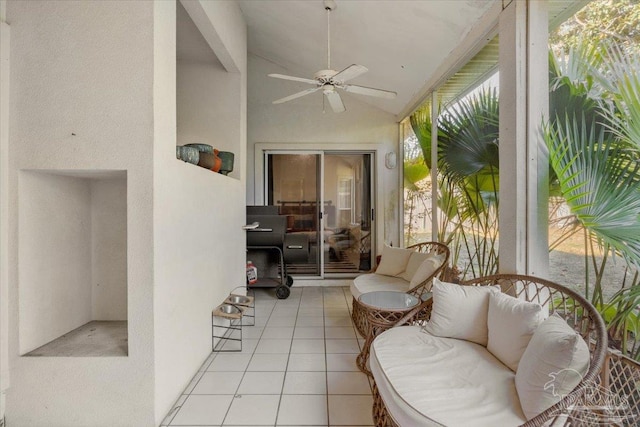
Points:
[[297, 368]]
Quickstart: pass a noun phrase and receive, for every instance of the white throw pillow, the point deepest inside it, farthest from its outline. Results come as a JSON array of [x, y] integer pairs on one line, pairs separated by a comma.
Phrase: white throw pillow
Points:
[[511, 323], [553, 364], [415, 260], [460, 311], [394, 261], [425, 270]]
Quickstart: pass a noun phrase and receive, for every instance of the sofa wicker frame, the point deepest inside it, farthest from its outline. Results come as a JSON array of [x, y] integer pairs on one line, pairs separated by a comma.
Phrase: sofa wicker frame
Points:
[[359, 313], [572, 307]]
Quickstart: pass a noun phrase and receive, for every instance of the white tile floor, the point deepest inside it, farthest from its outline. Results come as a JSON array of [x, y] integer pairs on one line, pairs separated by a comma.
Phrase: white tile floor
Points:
[[297, 368]]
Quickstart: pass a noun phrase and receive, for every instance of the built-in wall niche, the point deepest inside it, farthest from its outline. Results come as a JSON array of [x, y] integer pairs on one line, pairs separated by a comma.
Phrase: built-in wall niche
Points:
[[208, 97], [72, 263]]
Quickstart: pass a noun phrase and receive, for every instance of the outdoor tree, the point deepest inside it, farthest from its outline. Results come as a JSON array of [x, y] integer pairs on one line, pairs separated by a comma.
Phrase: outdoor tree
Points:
[[611, 21]]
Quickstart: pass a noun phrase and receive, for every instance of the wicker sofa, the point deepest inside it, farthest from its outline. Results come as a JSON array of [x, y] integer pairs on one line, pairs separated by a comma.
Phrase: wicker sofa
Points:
[[400, 282], [424, 379]]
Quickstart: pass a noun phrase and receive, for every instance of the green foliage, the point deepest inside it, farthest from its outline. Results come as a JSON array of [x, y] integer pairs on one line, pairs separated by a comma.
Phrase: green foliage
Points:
[[600, 182], [469, 140], [593, 137], [421, 125], [622, 316], [611, 21], [468, 179], [620, 103], [413, 173]]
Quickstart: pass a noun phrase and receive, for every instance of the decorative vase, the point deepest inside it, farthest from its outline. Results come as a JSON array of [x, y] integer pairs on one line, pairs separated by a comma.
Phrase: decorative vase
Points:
[[227, 162], [201, 147], [188, 154], [217, 161], [207, 160]]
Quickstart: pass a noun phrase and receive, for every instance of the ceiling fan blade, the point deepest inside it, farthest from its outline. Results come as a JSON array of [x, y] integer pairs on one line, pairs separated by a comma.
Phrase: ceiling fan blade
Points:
[[363, 90], [335, 101], [349, 73], [295, 79], [296, 95]]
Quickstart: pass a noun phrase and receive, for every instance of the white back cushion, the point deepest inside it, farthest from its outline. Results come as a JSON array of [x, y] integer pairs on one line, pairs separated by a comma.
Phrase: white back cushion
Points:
[[460, 311], [394, 261], [426, 269], [552, 365], [415, 260], [511, 324]]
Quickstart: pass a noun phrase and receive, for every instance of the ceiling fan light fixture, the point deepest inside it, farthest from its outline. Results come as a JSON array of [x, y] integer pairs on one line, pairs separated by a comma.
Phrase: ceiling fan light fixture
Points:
[[327, 89]]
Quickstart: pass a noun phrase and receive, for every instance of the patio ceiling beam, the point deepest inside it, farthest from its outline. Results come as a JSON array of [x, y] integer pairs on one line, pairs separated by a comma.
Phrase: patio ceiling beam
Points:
[[524, 98]]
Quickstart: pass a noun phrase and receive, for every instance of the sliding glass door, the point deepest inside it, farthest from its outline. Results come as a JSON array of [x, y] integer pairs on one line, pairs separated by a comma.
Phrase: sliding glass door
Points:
[[293, 184], [347, 190], [327, 198]]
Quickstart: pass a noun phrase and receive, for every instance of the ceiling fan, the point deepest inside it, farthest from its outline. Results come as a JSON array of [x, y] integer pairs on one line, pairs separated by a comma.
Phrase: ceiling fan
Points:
[[329, 80]]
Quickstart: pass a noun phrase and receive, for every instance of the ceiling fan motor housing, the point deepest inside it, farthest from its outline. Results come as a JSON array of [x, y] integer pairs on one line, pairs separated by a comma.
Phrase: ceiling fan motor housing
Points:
[[324, 76]]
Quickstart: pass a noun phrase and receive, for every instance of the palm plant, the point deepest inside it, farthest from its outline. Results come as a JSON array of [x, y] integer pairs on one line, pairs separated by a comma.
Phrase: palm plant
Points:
[[415, 171], [595, 158], [467, 183]]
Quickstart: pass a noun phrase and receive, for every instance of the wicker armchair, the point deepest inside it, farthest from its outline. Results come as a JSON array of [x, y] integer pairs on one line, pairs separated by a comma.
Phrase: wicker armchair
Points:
[[358, 313], [572, 307]]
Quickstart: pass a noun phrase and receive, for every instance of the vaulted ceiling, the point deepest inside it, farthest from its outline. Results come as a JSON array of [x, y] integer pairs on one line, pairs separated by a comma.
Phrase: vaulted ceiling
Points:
[[403, 43]]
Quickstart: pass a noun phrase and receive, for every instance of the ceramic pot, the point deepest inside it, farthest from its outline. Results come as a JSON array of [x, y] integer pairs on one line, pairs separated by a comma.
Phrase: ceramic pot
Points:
[[207, 160], [218, 161], [201, 147], [227, 162], [187, 154]]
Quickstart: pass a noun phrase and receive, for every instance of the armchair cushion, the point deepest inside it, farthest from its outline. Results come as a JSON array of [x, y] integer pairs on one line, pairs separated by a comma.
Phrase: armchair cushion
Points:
[[377, 282], [460, 311], [553, 364], [431, 381], [511, 322], [426, 269], [415, 261], [394, 261]]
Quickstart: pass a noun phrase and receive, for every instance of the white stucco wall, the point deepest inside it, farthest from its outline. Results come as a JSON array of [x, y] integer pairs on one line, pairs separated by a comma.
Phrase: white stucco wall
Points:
[[302, 124], [81, 98], [199, 246], [109, 248], [54, 257]]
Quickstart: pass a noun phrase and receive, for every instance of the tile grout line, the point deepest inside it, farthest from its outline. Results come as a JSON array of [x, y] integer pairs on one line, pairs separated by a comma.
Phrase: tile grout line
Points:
[[284, 379], [326, 360], [253, 352]]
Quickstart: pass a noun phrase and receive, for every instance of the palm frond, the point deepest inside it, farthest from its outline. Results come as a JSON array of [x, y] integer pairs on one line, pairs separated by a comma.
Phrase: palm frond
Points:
[[621, 75], [600, 182], [413, 173], [470, 131]]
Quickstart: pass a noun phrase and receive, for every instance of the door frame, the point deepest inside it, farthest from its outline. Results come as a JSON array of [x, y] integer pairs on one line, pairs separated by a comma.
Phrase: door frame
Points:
[[377, 150]]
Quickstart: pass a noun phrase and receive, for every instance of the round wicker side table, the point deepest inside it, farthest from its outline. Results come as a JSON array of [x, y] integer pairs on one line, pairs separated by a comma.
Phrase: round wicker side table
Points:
[[383, 310]]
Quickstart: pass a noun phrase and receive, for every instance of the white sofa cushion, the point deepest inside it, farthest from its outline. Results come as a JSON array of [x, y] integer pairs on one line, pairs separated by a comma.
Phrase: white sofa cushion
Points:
[[425, 270], [394, 261], [552, 366], [377, 282], [415, 260], [426, 380], [460, 311], [511, 323]]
